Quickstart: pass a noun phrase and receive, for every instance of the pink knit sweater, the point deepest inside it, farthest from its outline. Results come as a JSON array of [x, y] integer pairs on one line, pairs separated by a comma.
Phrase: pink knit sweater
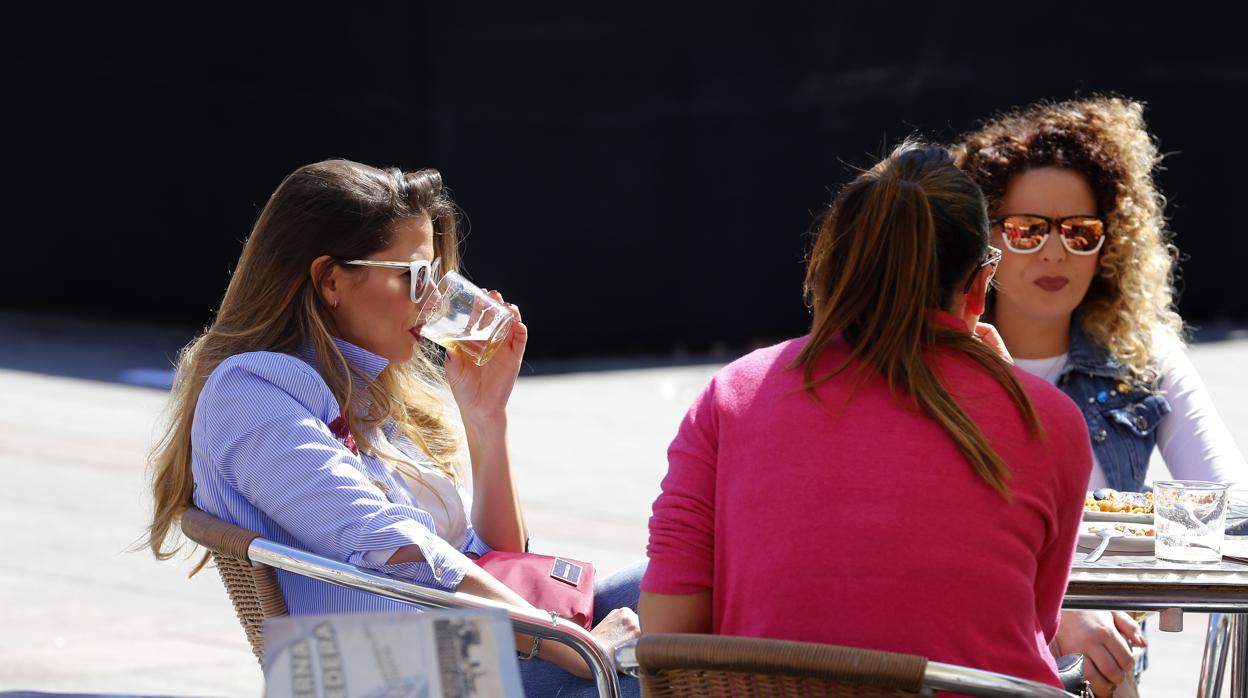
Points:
[[856, 521]]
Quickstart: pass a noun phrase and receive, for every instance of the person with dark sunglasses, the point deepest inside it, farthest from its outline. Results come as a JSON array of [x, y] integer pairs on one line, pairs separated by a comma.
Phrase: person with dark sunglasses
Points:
[[1084, 298]]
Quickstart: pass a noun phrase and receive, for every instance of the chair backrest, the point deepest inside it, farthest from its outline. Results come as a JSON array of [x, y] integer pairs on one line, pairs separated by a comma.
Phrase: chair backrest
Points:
[[716, 665], [252, 588], [746, 667]]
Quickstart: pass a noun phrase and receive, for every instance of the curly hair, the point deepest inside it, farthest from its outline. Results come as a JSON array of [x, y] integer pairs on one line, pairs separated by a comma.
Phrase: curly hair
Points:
[[1131, 299]]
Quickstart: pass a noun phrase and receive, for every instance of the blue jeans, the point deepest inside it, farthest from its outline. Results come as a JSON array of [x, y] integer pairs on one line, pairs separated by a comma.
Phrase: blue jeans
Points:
[[545, 680]]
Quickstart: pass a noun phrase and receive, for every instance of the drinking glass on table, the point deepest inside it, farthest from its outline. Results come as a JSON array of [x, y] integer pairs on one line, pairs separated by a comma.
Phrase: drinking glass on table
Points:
[[456, 314], [1236, 541], [1190, 517]]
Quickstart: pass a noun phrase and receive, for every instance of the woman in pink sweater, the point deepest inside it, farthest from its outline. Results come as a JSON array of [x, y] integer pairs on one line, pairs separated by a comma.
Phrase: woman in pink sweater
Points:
[[888, 481]]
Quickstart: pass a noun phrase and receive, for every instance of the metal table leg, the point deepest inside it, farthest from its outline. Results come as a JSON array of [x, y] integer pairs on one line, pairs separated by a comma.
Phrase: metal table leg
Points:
[[1213, 664], [1239, 656]]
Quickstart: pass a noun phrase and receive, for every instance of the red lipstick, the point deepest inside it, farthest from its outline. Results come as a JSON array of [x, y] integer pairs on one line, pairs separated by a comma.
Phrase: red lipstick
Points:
[[1052, 283]]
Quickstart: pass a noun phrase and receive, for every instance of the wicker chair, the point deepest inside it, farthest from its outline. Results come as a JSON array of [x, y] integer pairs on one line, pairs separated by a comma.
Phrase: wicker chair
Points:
[[247, 562], [252, 588], [694, 666]]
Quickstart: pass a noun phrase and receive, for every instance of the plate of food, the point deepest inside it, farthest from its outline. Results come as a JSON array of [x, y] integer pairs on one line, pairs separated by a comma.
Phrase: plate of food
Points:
[[1107, 504], [1130, 538]]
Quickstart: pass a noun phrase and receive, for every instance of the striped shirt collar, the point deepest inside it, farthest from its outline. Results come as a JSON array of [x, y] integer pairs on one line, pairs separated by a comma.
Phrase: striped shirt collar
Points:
[[362, 360]]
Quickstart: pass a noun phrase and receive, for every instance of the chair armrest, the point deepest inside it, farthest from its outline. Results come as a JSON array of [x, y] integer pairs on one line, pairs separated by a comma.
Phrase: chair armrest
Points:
[[937, 675], [977, 682], [534, 622]]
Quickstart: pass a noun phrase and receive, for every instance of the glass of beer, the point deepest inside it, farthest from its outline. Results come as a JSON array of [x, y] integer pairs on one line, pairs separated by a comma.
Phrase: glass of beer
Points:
[[456, 314]]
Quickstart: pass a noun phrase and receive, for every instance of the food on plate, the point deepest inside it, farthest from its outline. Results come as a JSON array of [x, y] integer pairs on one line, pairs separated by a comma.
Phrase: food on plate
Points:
[[1126, 530], [1106, 499]]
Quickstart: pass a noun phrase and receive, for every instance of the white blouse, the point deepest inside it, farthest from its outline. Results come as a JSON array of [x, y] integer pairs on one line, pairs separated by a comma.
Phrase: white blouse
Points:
[[434, 492]]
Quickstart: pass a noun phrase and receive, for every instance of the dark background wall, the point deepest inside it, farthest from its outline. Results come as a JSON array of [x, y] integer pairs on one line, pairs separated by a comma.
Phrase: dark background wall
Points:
[[637, 178]]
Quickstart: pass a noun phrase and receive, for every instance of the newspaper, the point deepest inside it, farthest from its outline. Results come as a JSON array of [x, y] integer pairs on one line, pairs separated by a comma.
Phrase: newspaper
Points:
[[434, 654]]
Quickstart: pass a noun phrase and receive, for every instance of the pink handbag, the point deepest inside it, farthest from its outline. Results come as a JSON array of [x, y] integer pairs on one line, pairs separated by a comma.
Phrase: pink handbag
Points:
[[559, 584]]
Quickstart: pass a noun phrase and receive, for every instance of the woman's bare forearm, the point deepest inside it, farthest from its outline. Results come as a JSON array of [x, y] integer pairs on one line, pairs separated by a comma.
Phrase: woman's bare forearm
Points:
[[478, 582], [496, 512]]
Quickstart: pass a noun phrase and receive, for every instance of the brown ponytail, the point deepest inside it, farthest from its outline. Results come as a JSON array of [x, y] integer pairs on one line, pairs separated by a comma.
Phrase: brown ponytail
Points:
[[900, 240]]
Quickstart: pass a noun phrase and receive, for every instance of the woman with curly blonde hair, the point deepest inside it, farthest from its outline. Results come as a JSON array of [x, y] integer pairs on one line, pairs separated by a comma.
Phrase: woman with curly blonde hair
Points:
[[1084, 298]]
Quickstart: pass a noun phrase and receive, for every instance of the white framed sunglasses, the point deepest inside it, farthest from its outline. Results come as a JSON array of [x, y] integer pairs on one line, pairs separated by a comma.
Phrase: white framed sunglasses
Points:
[[422, 273], [1026, 233]]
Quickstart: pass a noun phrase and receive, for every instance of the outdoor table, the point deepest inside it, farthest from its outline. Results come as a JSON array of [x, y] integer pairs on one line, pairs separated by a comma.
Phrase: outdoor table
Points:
[[1141, 582]]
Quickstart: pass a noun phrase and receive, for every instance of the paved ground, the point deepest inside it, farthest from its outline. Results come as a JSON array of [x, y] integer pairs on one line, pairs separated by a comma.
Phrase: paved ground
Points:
[[81, 613]]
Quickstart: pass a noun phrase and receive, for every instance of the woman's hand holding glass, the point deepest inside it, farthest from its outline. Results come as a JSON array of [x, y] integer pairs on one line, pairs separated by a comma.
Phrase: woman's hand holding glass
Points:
[[482, 391]]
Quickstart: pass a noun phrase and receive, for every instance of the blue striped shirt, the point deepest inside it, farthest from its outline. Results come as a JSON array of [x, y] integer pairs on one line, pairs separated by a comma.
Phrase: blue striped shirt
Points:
[[264, 458]]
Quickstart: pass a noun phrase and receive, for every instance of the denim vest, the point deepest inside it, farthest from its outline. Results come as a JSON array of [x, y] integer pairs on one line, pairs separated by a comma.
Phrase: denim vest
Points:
[[1122, 419]]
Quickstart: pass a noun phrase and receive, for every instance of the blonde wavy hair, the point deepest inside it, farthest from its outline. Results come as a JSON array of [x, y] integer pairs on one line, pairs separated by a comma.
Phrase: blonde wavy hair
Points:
[[345, 210], [1131, 299]]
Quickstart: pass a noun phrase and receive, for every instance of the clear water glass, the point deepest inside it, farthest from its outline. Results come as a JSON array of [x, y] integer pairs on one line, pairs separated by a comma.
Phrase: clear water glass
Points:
[[1190, 517]]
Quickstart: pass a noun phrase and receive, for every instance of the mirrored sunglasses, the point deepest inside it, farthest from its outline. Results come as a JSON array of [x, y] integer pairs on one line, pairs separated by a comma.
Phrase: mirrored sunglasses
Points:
[[1026, 233]]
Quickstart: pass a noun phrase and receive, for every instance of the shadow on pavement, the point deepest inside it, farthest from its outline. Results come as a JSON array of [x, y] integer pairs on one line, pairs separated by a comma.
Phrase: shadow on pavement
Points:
[[1218, 331], [144, 355], [93, 349]]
